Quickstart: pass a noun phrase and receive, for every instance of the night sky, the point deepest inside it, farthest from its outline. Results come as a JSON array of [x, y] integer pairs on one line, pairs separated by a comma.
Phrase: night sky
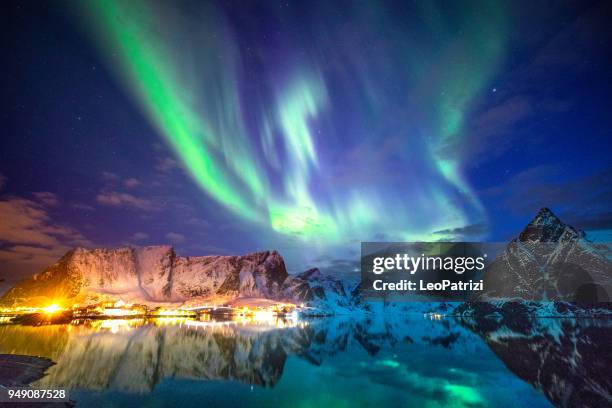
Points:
[[303, 126]]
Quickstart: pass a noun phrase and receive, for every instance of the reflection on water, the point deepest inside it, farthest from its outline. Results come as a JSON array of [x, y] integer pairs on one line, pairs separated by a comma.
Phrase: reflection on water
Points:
[[325, 362], [568, 359]]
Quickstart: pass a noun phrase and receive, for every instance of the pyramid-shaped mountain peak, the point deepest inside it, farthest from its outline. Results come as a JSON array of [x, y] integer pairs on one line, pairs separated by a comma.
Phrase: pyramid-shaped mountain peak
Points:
[[547, 227], [546, 217]]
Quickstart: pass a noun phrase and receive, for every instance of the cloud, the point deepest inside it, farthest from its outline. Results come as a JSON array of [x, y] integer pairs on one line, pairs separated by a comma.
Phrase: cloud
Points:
[[495, 130], [588, 34], [599, 221], [175, 237], [30, 238], [204, 249], [167, 165], [19, 261], [27, 222], [119, 199], [131, 182], [47, 198], [158, 147], [580, 201], [471, 230], [491, 129], [381, 160], [535, 90], [198, 222], [140, 236], [84, 207], [108, 176]]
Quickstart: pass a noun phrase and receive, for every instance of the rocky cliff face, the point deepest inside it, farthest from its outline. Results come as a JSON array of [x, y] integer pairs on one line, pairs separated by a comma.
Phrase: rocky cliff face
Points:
[[157, 274], [550, 261], [151, 274], [19, 370], [317, 290]]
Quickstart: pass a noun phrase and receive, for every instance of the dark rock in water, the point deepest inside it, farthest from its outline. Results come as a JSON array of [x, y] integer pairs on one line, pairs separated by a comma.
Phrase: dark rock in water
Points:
[[19, 371]]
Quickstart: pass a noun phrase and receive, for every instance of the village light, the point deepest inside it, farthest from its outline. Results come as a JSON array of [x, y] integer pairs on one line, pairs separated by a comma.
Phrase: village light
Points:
[[51, 309]]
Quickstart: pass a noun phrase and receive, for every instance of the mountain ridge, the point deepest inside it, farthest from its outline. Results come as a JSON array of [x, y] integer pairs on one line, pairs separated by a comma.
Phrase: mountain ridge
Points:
[[151, 274], [547, 227], [549, 261]]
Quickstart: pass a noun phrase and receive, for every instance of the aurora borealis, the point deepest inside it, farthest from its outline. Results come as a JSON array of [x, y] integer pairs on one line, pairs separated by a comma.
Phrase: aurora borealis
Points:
[[270, 154], [303, 126], [192, 193]]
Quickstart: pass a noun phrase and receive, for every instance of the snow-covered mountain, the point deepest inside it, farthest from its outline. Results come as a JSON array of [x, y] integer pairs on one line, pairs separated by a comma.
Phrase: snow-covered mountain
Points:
[[323, 293], [550, 261], [547, 227], [156, 274], [550, 270]]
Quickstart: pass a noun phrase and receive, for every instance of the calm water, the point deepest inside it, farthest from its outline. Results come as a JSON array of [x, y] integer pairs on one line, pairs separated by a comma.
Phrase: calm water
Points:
[[382, 361]]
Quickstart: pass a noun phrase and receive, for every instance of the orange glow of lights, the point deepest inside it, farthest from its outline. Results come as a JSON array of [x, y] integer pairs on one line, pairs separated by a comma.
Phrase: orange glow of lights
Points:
[[51, 309]]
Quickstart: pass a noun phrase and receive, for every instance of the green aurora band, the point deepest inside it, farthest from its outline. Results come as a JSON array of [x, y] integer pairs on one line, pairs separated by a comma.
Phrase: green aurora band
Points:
[[185, 70]]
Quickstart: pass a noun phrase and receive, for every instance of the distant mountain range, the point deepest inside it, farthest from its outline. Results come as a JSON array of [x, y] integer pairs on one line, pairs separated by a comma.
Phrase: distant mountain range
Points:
[[548, 261], [157, 275]]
